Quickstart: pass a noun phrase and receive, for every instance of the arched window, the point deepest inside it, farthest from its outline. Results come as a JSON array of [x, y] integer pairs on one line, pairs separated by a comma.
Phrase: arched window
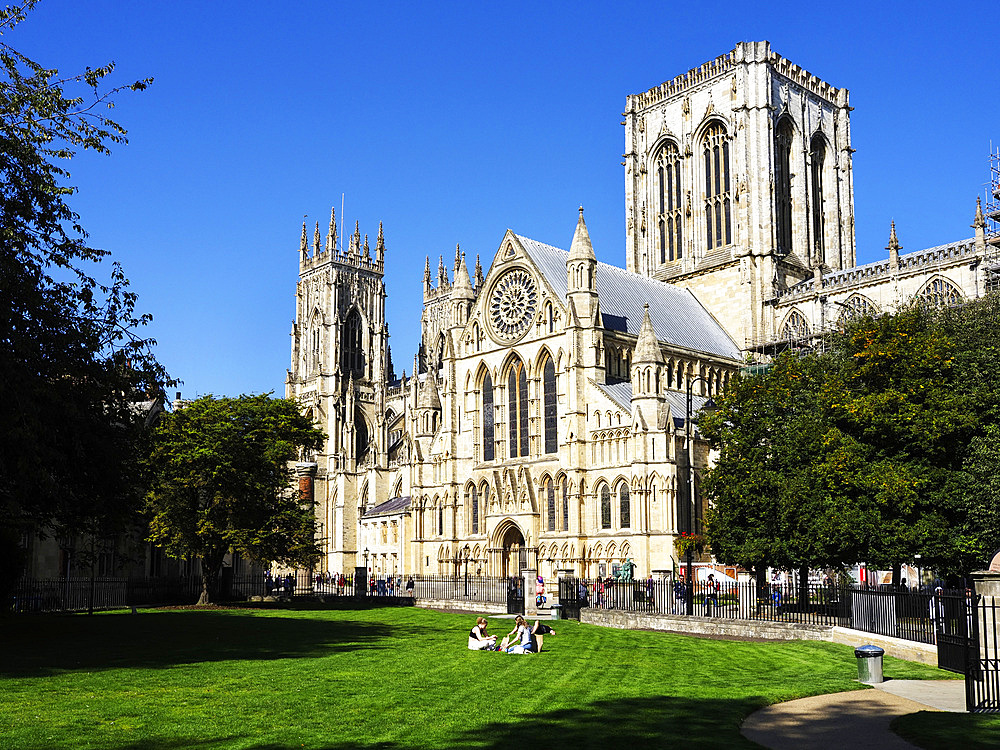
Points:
[[352, 359], [440, 351], [605, 507], [856, 306], [488, 433], [565, 505], [474, 507], [550, 410], [361, 440], [718, 200], [940, 293], [550, 318], [817, 150], [668, 201], [517, 408], [783, 185], [441, 519], [624, 507], [796, 327], [550, 505]]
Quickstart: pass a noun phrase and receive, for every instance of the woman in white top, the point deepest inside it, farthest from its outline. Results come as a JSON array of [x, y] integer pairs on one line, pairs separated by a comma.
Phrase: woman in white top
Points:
[[479, 639]]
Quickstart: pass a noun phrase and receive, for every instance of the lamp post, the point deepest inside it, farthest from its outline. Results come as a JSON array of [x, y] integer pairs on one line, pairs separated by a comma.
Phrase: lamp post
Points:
[[366, 566], [692, 505], [466, 552]]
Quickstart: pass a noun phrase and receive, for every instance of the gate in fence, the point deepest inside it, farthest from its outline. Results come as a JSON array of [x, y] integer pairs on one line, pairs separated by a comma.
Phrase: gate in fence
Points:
[[982, 679], [954, 629], [569, 598], [515, 596]]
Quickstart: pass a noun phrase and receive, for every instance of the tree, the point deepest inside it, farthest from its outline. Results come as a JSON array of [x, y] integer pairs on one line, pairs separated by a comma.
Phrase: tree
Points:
[[221, 482], [72, 367]]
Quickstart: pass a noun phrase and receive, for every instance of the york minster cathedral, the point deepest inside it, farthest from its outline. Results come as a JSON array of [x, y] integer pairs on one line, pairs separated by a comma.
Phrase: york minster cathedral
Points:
[[546, 423]]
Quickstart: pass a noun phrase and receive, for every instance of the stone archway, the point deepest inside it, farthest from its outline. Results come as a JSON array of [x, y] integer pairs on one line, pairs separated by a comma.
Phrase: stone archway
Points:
[[512, 550]]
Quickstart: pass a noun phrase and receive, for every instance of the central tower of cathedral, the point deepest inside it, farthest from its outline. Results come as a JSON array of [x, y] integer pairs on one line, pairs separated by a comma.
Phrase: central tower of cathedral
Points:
[[738, 183]]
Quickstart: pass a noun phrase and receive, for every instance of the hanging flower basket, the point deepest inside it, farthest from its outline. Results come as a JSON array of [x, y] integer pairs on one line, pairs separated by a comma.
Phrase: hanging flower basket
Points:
[[696, 543]]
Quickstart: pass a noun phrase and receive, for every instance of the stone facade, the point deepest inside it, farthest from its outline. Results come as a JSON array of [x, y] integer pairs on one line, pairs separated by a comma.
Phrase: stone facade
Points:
[[543, 425]]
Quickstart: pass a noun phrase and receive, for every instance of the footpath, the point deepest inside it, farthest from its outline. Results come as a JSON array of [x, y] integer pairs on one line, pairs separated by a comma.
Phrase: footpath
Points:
[[858, 720]]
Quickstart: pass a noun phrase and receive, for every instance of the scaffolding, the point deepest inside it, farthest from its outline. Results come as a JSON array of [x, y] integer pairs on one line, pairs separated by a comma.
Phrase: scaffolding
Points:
[[992, 212]]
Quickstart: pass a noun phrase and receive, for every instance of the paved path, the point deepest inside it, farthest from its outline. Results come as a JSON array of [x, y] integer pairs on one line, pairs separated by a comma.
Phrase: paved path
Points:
[[858, 720]]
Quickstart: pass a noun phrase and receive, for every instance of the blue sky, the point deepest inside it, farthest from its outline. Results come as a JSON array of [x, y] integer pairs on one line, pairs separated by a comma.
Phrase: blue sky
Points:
[[451, 122]]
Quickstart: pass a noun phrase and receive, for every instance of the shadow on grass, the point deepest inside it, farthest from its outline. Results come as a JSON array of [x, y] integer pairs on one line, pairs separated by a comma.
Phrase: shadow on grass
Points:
[[39, 646], [634, 723]]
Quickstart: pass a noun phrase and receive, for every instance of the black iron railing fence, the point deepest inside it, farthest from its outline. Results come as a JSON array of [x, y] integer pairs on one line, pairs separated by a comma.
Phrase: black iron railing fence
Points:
[[904, 613], [907, 614]]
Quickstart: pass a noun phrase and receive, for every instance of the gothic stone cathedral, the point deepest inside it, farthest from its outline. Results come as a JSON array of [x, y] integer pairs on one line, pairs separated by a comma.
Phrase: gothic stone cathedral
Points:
[[544, 423]]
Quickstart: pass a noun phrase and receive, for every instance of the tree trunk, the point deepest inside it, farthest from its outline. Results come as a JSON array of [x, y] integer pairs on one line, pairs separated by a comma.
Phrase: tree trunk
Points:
[[897, 577], [763, 595], [804, 587], [211, 564]]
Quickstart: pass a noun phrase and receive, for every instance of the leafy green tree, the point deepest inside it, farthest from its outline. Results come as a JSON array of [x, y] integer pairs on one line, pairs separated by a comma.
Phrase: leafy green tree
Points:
[[72, 367], [222, 482]]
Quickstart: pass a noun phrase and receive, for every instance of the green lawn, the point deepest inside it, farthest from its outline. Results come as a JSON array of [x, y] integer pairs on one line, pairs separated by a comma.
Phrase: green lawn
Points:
[[933, 730], [386, 678]]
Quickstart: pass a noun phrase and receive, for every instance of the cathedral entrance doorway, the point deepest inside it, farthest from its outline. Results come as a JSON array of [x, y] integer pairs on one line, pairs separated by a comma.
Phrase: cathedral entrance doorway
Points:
[[513, 554]]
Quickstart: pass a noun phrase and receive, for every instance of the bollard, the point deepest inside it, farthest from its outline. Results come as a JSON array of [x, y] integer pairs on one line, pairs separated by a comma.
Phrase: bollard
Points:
[[869, 664]]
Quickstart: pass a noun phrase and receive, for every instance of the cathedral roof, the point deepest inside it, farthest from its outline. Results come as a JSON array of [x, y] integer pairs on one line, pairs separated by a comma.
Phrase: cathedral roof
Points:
[[389, 507], [621, 394], [676, 314]]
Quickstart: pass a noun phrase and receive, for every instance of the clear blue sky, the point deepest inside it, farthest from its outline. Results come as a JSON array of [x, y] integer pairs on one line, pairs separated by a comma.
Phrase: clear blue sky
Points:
[[451, 122]]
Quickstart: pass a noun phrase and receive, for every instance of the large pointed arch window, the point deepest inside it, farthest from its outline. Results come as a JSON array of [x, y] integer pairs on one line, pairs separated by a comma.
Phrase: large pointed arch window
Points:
[[550, 505], [488, 431], [352, 359], [940, 293], [474, 508], [718, 199], [361, 439], [796, 327], [783, 185], [565, 505], [605, 507], [817, 150], [517, 409], [550, 411], [624, 507], [667, 165]]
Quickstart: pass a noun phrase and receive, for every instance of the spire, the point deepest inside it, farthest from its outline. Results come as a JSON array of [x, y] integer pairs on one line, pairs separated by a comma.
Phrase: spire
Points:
[[316, 246], [429, 397], [463, 285], [304, 242], [581, 249], [331, 233], [647, 348], [980, 220], [427, 274], [380, 245], [442, 273], [893, 245], [479, 273], [368, 253], [458, 258]]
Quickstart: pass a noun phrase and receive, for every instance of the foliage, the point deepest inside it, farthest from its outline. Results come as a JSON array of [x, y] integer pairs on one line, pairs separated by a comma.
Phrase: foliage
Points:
[[881, 448], [221, 482], [690, 541], [390, 678], [72, 368]]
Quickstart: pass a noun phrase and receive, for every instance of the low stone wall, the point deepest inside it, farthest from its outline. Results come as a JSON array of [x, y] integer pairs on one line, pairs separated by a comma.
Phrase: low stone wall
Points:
[[462, 605], [776, 631], [925, 653]]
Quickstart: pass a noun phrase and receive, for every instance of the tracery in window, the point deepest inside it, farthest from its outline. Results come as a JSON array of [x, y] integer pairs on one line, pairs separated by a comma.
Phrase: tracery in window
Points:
[[605, 507], [818, 154], [667, 187], [796, 327], [856, 306], [352, 358], [783, 185], [624, 507], [549, 407], [517, 409], [940, 293], [550, 505], [488, 432], [474, 507], [718, 199]]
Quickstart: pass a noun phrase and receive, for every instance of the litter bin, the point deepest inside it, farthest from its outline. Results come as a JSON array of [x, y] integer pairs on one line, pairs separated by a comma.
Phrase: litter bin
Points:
[[556, 611], [869, 664]]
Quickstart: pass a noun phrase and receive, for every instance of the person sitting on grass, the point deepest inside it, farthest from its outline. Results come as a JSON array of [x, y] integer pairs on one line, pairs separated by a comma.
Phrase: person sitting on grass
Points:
[[522, 633], [538, 631], [479, 639]]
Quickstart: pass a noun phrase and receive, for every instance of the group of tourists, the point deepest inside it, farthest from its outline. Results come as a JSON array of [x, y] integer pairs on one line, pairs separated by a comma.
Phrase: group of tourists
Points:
[[523, 639]]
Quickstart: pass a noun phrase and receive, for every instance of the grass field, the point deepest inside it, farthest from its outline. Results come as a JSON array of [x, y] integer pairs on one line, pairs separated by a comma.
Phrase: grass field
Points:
[[386, 678], [933, 730]]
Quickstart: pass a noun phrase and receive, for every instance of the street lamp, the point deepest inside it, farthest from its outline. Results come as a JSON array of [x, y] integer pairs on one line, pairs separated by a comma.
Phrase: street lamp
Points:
[[709, 406], [466, 553], [366, 566]]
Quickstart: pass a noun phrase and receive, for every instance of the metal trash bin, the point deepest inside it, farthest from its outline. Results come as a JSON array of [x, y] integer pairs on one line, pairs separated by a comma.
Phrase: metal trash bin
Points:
[[556, 611], [869, 664]]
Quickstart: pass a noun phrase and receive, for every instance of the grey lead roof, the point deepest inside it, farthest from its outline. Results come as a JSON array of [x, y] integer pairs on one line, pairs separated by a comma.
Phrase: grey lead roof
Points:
[[621, 394], [676, 314], [389, 507]]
